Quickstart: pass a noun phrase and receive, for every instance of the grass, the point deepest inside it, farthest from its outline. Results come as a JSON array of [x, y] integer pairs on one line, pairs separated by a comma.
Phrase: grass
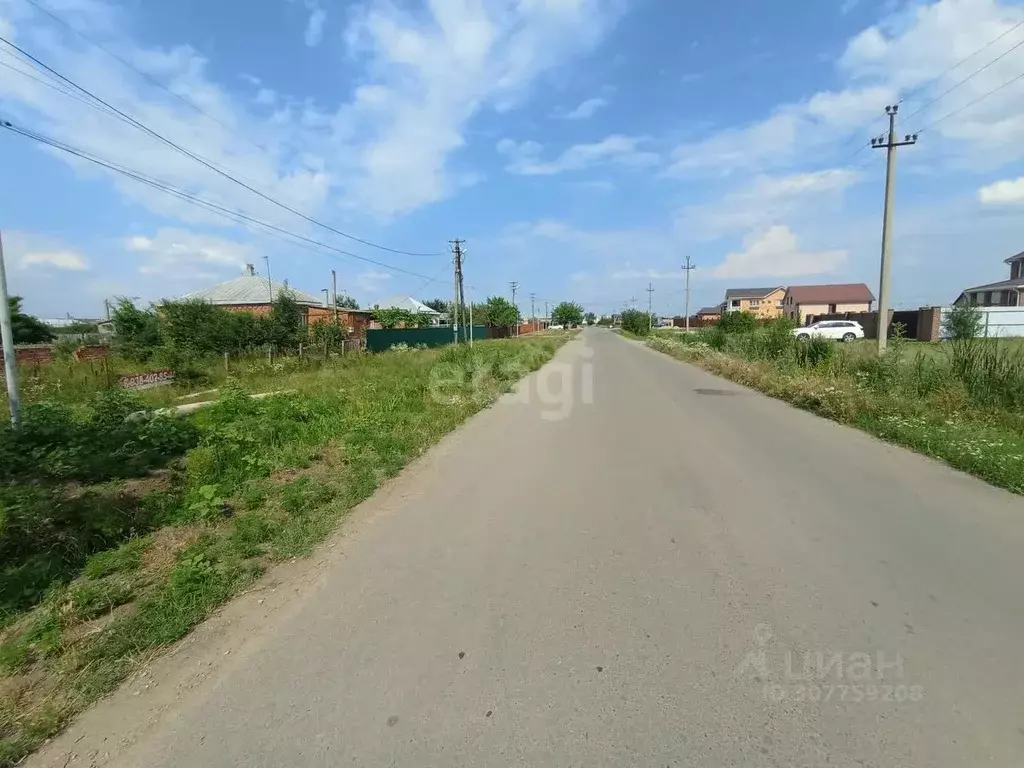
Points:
[[960, 402], [103, 568]]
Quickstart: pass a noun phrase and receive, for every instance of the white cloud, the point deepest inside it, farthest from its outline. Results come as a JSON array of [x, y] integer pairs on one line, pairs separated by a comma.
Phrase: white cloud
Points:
[[767, 198], [69, 260], [775, 253], [382, 149], [1008, 192], [897, 57], [524, 158], [586, 109], [182, 254], [315, 25]]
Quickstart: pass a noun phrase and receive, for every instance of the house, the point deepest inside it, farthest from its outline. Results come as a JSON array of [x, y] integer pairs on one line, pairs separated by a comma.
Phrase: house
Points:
[[709, 314], [1005, 293], [253, 293], [802, 301], [409, 304], [762, 302]]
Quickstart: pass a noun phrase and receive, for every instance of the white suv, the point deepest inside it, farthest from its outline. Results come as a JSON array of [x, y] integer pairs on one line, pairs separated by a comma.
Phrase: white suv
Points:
[[847, 330]]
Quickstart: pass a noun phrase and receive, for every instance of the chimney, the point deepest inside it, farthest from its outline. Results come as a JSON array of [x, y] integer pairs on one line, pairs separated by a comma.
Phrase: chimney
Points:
[[250, 270]]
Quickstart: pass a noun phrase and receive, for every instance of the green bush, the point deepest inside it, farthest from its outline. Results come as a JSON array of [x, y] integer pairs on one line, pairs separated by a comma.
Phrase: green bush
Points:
[[962, 322], [815, 352], [636, 322], [114, 435], [715, 337], [737, 322]]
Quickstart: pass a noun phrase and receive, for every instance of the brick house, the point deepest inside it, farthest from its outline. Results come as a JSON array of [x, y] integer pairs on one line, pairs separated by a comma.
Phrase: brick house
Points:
[[803, 301], [763, 302], [253, 293]]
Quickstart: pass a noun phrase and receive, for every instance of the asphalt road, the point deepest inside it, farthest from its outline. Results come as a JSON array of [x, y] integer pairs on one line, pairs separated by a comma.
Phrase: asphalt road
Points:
[[653, 568]]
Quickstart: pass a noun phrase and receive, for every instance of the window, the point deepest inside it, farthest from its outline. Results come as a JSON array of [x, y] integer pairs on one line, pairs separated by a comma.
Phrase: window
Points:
[[1016, 269], [735, 303], [754, 303]]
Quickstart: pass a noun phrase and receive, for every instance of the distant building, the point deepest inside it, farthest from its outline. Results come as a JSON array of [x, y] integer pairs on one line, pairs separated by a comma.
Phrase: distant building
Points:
[[763, 302], [709, 314], [802, 301], [409, 304], [1005, 293], [251, 292]]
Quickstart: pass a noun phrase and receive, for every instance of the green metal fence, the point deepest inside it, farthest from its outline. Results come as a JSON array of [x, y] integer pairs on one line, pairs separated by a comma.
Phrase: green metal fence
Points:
[[437, 336]]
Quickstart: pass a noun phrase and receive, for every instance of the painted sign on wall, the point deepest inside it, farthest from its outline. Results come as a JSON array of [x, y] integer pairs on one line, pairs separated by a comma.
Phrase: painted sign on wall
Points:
[[147, 380]]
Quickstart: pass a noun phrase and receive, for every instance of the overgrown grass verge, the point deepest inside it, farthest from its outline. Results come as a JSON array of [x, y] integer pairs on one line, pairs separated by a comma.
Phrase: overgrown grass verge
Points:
[[934, 406], [109, 557]]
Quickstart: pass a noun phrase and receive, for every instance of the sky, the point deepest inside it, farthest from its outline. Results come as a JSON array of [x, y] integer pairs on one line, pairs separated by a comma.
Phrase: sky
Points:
[[582, 148]]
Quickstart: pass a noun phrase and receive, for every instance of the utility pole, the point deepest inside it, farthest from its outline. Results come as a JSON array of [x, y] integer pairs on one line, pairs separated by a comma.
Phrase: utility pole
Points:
[[533, 310], [547, 313], [10, 358], [459, 308], [689, 267], [270, 283], [650, 307], [457, 304], [890, 143], [334, 288], [515, 287]]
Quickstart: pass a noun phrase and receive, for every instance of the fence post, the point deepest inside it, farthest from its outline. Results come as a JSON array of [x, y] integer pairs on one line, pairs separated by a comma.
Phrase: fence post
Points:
[[227, 365], [300, 350]]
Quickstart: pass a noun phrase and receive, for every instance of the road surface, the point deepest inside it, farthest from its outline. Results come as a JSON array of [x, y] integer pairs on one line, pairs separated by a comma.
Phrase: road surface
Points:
[[652, 567]]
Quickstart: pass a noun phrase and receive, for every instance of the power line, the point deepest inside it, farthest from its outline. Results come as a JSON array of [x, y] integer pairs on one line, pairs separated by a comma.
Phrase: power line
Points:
[[945, 72], [145, 75], [970, 103], [200, 202], [964, 80], [202, 160]]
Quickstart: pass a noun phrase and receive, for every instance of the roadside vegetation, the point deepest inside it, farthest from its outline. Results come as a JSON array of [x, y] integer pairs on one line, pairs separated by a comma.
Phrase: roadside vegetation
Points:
[[121, 528], [960, 401]]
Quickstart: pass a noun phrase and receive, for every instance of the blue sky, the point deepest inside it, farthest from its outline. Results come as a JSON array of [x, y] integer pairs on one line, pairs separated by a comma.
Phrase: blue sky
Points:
[[580, 147]]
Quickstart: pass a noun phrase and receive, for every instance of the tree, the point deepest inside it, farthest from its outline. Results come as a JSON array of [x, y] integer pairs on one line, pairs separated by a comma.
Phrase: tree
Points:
[[590, 317], [481, 314], [439, 305], [137, 330], [963, 321], [604, 321], [567, 313], [392, 317], [346, 301], [636, 322], [285, 322], [26, 328], [500, 312]]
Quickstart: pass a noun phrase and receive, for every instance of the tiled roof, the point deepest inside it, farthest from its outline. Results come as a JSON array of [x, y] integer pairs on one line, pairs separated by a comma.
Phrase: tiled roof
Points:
[[838, 293], [750, 293]]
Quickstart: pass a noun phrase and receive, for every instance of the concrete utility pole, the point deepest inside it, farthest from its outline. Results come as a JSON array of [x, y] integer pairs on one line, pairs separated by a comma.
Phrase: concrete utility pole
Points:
[[533, 310], [547, 313], [650, 307], [10, 358], [515, 287], [889, 143], [460, 259], [457, 304], [270, 283], [334, 288], [688, 268]]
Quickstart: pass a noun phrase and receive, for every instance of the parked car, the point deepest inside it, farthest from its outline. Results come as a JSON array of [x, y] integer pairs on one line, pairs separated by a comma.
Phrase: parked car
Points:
[[846, 330], [556, 327]]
